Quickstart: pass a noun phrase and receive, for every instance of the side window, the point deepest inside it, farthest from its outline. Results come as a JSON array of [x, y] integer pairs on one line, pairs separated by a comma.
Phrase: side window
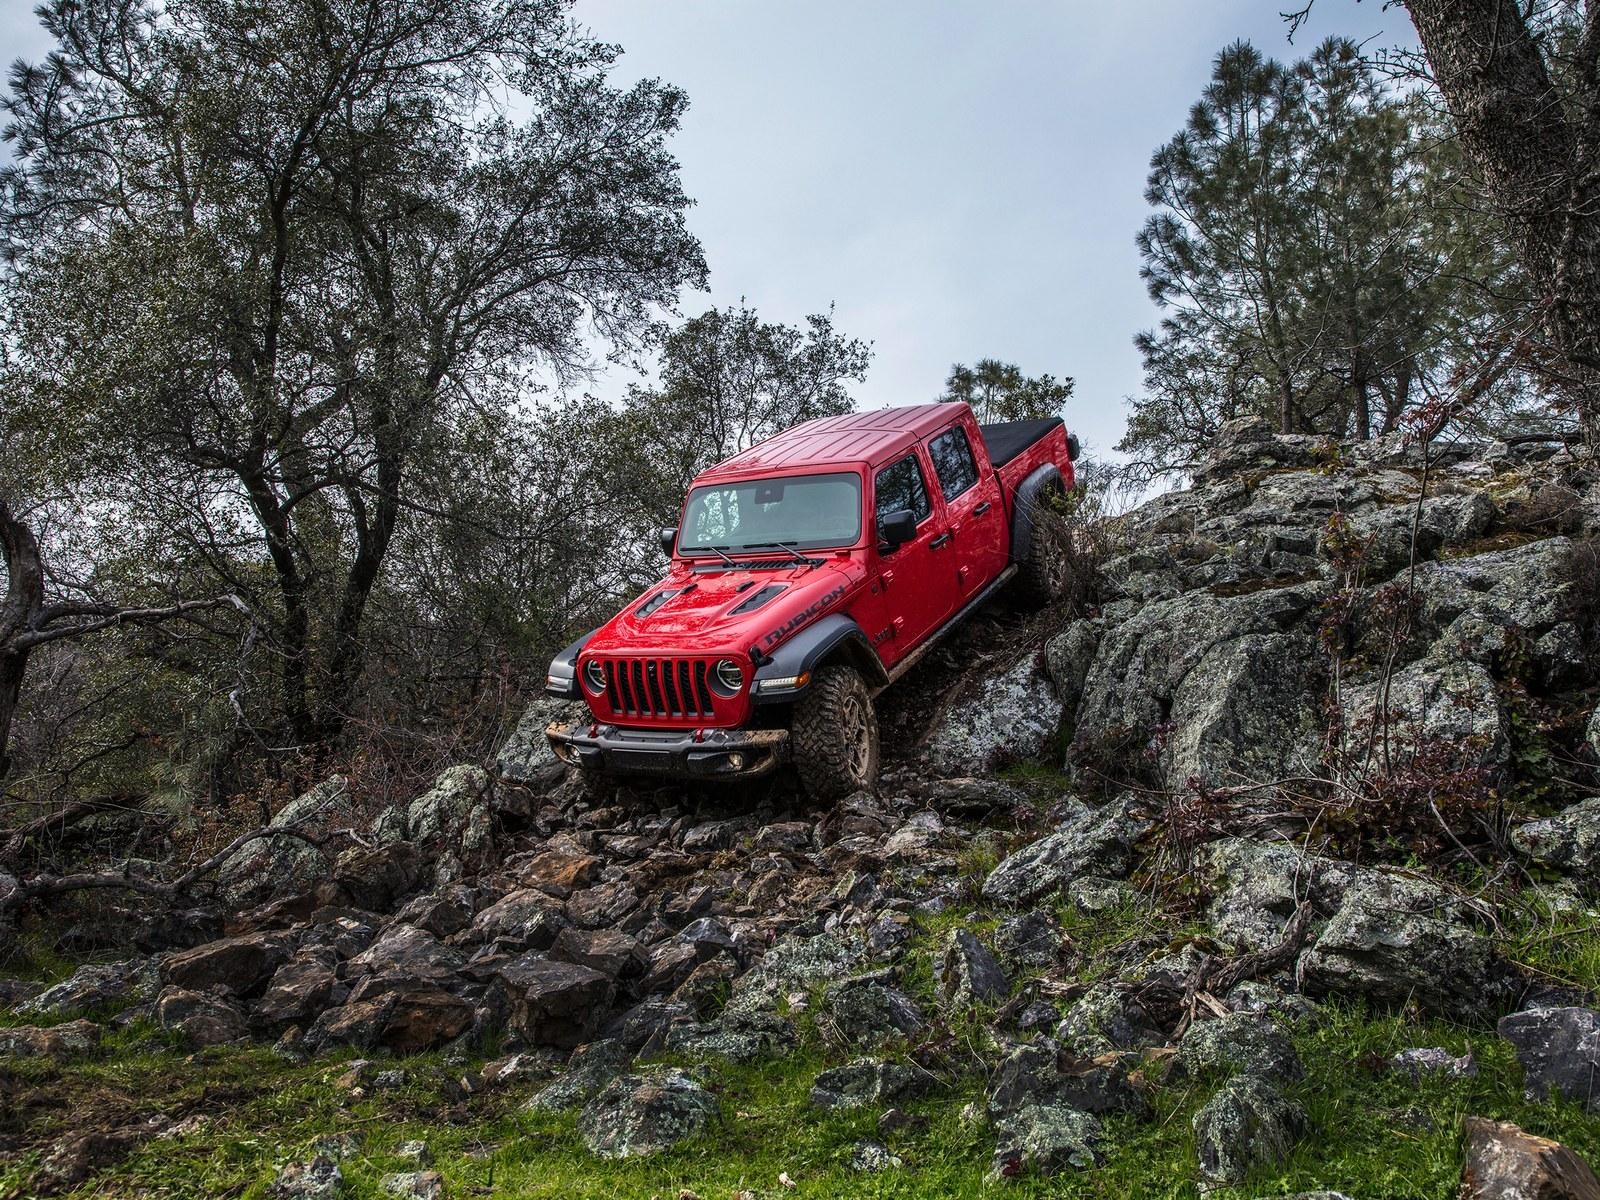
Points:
[[953, 462], [899, 486]]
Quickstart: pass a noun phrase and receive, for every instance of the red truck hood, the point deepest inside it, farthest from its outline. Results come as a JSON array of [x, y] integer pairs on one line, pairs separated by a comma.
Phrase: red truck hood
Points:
[[725, 612]]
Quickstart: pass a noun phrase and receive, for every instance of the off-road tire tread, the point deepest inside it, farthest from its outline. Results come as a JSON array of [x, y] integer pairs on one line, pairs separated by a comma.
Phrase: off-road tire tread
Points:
[[821, 758], [1033, 575]]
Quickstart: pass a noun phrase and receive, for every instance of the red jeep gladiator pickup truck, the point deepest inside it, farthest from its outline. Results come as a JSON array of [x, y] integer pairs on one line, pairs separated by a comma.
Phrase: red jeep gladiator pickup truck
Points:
[[808, 574]]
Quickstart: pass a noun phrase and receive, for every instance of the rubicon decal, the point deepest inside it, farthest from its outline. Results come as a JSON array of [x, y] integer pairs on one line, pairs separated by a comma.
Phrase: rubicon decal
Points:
[[800, 618]]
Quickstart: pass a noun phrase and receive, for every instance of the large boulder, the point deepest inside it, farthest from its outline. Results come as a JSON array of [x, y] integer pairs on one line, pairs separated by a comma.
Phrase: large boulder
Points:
[[1505, 1162], [1240, 1044], [1384, 946], [1013, 717], [1217, 688], [634, 1116], [1390, 533], [239, 965], [526, 756], [277, 867], [555, 1003], [1434, 701]]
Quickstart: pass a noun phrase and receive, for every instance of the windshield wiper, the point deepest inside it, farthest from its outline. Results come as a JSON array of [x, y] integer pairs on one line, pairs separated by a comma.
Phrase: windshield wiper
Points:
[[717, 551], [786, 547]]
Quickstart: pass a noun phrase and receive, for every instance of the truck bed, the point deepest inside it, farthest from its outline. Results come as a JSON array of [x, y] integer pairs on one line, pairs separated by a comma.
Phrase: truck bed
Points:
[[1007, 439]]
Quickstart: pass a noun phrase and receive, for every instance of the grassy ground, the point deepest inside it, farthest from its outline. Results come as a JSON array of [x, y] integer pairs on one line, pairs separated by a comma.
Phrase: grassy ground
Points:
[[243, 1112]]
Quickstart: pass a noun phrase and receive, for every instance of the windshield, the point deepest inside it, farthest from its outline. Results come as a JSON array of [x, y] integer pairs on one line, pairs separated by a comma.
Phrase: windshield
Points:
[[804, 511]]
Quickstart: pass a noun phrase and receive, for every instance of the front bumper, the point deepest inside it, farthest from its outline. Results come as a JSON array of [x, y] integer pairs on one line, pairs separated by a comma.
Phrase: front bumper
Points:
[[717, 754]]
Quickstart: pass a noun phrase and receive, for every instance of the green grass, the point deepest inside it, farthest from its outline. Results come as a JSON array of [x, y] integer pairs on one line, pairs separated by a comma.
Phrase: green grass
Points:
[[1371, 1133]]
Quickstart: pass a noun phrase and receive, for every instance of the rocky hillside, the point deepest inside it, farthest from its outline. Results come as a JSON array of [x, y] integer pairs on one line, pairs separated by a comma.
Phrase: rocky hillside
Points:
[[1272, 872]]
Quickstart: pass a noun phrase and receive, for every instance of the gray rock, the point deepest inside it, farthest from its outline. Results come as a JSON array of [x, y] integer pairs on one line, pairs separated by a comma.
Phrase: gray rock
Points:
[[451, 822], [1420, 1061], [1568, 841], [1433, 700], [526, 756], [1104, 1019], [1439, 522], [638, 1115], [1013, 717], [1593, 734], [968, 974], [871, 1157], [1045, 1138], [1384, 946], [414, 1185], [96, 986], [749, 1041], [271, 868], [1505, 1162], [794, 964], [1248, 1123], [1559, 1049], [1068, 657], [1039, 1073], [1030, 941], [1218, 688], [1240, 1044], [202, 1020], [589, 1070], [318, 1179], [57, 1042], [555, 1003], [867, 1081], [868, 1012], [1086, 842]]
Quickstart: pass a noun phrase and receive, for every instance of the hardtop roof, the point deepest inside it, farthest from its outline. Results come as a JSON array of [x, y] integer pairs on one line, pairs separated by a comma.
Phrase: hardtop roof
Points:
[[854, 439]]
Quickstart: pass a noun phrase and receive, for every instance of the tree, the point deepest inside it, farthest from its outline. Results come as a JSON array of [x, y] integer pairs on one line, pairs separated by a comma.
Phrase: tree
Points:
[[728, 380], [999, 391], [1317, 260], [267, 260], [1522, 83]]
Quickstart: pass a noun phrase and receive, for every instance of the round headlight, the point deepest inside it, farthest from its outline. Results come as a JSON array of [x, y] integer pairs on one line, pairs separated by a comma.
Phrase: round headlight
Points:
[[727, 677], [594, 676]]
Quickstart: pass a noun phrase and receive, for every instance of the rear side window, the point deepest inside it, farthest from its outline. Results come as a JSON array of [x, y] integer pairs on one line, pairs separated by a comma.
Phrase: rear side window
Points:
[[899, 486], [953, 462]]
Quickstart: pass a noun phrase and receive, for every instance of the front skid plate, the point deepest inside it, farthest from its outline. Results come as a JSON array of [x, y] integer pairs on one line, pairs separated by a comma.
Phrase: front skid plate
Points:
[[672, 753]]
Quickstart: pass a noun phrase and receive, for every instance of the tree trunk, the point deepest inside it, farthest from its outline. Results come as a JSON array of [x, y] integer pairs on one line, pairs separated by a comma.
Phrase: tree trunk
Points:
[[23, 599], [1536, 157]]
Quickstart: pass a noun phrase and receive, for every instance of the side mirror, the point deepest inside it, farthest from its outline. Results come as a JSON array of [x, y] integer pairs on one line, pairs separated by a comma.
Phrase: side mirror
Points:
[[669, 539], [897, 528]]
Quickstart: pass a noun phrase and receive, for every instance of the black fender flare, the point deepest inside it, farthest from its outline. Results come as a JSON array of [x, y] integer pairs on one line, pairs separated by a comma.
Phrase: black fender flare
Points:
[[808, 648], [562, 678], [1023, 504]]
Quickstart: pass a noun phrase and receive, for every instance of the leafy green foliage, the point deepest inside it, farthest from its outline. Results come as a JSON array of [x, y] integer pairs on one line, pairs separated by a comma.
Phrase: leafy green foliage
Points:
[[999, 391]]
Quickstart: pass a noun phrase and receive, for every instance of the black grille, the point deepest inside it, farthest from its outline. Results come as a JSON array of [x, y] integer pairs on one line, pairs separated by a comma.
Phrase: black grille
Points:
[[658, 687]]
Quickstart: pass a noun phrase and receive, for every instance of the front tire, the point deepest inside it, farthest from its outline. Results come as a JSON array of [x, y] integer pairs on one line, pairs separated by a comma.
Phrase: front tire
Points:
[[835, 732]]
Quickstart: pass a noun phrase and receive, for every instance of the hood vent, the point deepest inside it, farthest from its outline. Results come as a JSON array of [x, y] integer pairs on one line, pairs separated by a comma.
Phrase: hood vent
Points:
[[757, 599], [655, 602]]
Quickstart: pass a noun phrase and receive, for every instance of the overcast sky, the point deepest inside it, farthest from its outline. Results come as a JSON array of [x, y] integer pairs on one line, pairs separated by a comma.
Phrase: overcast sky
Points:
[[958, 179]]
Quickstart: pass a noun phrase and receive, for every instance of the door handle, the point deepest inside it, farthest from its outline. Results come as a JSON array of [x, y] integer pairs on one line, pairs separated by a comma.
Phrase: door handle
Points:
[[981, 509], [942, 540]]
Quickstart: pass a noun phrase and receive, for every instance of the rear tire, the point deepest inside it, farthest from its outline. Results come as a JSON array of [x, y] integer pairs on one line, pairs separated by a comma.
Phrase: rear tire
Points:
[[835, 732], [1045, 574]]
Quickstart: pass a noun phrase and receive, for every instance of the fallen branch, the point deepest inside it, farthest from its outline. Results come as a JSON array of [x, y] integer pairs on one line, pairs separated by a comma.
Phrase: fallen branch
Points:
[[14, 894], [1219, 976]]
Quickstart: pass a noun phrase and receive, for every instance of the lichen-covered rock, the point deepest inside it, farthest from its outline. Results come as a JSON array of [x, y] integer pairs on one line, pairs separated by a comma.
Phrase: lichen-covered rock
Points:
[[634, 1116], [1432, 1061], [1231, 680], [1240, 1044], [1568, 841], [1103, 1019], [1046, 1138], [414, 1185], [1505, 1162], [1029, 941], [526, 756], [1248, 1123], [1087, 841], [869, 1011], [1068, 657], [1438, 523], [1559, 1049], [793, 964], [56, 1042], [1382, 945], [589, 1070], [1012, 718], [95, 986], [1039, 1073], [871, 1157], [968, 973], [318, 1179], [1434, 700], [270, 868], [867, 1081], [450, 823]]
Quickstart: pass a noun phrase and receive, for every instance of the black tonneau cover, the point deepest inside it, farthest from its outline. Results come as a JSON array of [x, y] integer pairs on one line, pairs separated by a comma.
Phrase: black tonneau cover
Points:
[[1007, 439]]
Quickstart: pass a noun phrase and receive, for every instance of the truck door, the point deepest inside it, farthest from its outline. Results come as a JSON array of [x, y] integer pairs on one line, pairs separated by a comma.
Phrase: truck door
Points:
[[971, 492], [911, 594]]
